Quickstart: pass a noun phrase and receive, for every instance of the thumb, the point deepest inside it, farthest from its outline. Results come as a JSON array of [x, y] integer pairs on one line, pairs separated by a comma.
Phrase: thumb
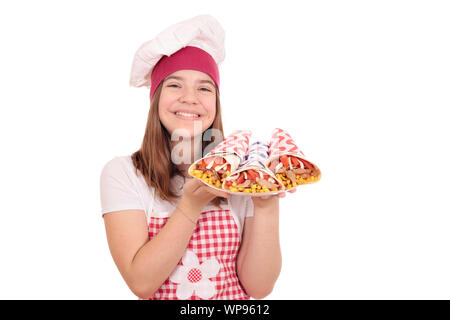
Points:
[[217, 193]]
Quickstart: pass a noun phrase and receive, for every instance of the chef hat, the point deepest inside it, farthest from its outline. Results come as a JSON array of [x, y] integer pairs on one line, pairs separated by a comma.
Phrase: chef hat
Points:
[[194, 44]]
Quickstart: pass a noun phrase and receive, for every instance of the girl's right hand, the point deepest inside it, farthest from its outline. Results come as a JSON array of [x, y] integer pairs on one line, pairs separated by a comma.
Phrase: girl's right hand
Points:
[[197, 195]]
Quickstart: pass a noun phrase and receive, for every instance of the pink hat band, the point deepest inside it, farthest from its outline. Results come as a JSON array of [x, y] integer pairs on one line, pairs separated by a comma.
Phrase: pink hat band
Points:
[[187, 58]]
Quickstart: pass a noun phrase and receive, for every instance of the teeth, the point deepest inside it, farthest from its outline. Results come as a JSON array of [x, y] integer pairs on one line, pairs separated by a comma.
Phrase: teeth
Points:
[[184, 114]]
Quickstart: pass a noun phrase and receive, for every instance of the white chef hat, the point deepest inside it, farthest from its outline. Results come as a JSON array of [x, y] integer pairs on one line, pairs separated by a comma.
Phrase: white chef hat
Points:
[[194, 44]]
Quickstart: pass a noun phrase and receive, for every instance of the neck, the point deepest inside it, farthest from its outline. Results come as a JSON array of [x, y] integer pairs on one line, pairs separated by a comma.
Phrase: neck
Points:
[[185, 152]]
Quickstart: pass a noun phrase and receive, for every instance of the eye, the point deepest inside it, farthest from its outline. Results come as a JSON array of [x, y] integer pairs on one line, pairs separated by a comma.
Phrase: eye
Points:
[[205, 89], [173, 85]]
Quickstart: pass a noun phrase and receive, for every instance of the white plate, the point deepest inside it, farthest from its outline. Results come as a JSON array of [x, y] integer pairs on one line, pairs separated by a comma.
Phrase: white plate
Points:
[[247, 193]]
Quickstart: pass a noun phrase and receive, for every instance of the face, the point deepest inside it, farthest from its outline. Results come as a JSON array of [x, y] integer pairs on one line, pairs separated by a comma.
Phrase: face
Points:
[[187, 101]]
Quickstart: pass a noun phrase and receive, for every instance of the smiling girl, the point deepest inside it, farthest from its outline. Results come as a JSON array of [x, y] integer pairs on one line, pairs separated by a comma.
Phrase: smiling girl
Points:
[[171, 236]]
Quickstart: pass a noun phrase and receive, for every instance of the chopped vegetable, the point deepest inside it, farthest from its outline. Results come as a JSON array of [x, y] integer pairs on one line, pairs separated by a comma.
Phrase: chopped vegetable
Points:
[[252, 174], [285, 161], [307, 164], [295, 161], [240, 179]]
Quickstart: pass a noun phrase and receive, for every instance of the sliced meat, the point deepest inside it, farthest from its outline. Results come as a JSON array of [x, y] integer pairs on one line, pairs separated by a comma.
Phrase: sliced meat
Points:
[[291, 176], [244, 184], [282, 170], [214, 173], [301, 171], [266, 183]]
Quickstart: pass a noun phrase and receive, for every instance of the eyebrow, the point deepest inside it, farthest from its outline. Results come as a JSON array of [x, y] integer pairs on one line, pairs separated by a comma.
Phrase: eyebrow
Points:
[[181, 78]]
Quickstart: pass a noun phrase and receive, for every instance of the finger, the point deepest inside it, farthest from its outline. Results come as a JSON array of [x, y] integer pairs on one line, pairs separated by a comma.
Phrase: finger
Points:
[[292, 191], [217, 192], [197, 183], [282, 194]]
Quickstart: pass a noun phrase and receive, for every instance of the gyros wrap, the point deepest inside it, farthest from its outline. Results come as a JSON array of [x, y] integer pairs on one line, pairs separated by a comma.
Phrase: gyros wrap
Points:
[[288, 163], [222, 160], [252, 175]]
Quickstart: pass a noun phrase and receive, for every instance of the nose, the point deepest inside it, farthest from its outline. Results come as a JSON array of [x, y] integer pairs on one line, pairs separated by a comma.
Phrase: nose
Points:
[[188, 95]]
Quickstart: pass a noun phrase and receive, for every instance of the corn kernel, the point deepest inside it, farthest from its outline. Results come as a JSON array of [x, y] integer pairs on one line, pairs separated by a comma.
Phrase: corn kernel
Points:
[[241, 189], [247, 190], [274, 189], [234, 184], [228, 173]]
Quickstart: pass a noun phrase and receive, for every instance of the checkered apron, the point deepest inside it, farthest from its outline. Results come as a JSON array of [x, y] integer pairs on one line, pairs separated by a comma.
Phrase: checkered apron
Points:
[[208, 268]]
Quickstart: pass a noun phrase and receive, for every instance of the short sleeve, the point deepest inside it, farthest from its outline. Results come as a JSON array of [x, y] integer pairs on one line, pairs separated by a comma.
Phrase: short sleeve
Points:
[[117, 190], [242, 207], [248, 207]]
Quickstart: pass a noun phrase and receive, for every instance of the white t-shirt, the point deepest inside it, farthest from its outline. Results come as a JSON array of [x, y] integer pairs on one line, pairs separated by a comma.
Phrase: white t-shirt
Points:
[[122, 189]]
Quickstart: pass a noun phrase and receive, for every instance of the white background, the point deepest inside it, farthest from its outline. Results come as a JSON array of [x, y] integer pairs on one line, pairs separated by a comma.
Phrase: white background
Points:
[[362, 86]]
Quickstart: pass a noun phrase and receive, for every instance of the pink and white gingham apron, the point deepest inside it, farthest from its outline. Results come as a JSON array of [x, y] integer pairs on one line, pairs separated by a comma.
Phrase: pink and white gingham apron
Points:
[[207, 270]]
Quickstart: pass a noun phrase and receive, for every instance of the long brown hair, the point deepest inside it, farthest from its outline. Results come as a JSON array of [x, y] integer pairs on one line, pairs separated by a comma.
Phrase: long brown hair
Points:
[[153, 159]]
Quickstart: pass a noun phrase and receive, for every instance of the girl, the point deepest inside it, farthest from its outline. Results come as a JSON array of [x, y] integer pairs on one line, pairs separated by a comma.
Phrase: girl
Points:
[[171, 236]]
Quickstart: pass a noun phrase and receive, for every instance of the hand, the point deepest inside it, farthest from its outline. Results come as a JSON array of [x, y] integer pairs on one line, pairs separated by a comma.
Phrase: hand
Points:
[[196, 194], [268, 200]]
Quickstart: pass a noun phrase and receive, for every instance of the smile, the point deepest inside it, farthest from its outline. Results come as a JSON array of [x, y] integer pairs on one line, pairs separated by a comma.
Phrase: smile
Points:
[[187, 116]]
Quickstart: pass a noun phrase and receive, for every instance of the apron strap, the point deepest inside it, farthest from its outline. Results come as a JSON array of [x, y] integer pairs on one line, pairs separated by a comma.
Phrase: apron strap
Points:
[[149, 210]]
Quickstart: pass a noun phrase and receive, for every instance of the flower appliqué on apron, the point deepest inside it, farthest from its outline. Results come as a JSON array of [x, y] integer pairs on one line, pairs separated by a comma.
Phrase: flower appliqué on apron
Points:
[[193, 277]]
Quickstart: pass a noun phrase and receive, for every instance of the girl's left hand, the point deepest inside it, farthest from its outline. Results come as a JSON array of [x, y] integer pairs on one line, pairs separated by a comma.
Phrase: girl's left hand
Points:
[[266, 200]]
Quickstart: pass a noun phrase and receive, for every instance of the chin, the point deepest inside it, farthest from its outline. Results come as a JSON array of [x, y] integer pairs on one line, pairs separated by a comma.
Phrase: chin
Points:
[[185, 132], [189, 129]]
